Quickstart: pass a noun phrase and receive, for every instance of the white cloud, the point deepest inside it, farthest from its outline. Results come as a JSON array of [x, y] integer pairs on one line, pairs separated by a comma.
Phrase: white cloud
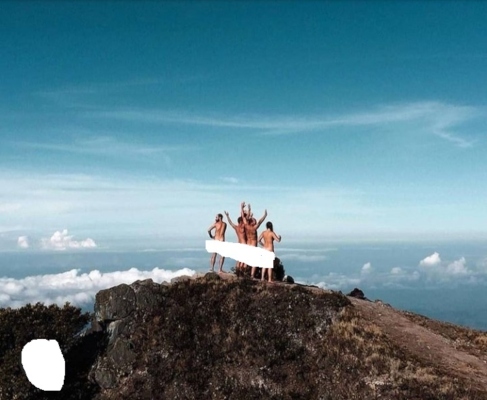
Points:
[[79, 289], [457, 267], [396, 270], [367, 268], [441, 271], [82, 201], [432, 260], [62, 241], [432, 117], [95, 203], [105, 146], [23, 242], [332, 281], [398, 278]]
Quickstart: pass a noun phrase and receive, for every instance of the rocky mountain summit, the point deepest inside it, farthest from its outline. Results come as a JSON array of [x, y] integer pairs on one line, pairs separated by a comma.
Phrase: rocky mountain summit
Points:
[[217, 336], [221, 337]]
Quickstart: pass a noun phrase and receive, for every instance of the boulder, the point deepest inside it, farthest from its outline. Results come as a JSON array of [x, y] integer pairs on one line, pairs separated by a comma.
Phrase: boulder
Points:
[[358, 294], [115, 303], [115, 312]]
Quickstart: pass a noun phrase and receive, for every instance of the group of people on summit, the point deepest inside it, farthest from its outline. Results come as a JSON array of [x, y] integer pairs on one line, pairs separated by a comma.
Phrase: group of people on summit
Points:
[[246, 230]]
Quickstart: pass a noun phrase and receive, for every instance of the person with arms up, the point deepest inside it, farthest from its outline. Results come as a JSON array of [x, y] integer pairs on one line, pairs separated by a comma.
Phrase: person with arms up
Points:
[[242, 238], [220, 228], [268, 236], [251, 226]]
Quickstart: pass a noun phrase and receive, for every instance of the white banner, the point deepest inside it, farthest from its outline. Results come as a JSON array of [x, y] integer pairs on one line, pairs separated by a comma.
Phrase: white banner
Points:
[[250, 255]]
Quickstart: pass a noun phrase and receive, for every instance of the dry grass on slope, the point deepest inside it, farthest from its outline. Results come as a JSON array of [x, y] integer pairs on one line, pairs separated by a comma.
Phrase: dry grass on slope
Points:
[[469, 340]]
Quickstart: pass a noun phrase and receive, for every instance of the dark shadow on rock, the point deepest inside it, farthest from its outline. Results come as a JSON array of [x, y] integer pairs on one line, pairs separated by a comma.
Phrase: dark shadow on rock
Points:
[[79, 360]]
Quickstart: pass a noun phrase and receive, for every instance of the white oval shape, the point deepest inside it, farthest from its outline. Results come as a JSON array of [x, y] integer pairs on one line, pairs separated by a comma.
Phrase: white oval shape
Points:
[[250, 255], [44, 364]]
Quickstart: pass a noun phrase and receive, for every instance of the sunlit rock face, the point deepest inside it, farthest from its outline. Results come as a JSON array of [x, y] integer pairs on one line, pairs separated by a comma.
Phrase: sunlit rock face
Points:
[[117, 311], [208, 336]]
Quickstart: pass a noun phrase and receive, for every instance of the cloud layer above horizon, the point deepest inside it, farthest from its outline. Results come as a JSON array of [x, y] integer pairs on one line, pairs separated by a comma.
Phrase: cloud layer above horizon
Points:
[[80, 288], [431, 272], [74, 287]]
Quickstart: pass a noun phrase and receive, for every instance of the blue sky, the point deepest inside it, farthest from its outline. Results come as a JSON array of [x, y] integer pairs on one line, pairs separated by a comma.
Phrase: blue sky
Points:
[[131, 124]]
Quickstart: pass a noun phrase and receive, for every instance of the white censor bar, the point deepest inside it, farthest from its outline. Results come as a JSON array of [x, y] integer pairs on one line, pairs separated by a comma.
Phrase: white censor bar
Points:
[[250, 255]]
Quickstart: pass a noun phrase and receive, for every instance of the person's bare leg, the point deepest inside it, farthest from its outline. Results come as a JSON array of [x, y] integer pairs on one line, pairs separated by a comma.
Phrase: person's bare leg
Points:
[[252, 272], [222, 260], [241, 267], [270, 274], [212, 262], [262, 274]]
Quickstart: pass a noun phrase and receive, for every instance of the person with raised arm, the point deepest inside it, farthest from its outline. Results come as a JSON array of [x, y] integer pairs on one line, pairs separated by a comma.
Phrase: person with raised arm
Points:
[[220, 228], [251, 226], [242, 238], [268, 236], [254, 225]]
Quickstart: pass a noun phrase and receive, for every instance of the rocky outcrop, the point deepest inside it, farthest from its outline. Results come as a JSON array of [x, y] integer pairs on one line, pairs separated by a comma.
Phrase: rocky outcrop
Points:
[[231, 314], [215, 336], [116, 312], [358, 294]]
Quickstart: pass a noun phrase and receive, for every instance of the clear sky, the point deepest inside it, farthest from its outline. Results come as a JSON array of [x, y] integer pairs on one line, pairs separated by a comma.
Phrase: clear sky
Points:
[[131, 124]]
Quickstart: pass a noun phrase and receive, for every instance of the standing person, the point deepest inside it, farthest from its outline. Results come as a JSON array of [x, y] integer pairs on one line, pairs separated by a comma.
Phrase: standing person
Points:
[[268, 236], [220, 228], [241, 236], [251, 226]]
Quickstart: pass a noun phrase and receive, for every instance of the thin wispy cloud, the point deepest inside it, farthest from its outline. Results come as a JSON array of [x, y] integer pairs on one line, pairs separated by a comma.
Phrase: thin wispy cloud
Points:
[[435, 118], [335, 281], [302, 257], [7, 208], [100, 88], [95, 204], [106, 146], [229, 179]]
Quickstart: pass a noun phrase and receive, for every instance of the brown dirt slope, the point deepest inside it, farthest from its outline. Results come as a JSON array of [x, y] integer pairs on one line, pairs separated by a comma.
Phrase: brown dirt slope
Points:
[[454, 350]]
